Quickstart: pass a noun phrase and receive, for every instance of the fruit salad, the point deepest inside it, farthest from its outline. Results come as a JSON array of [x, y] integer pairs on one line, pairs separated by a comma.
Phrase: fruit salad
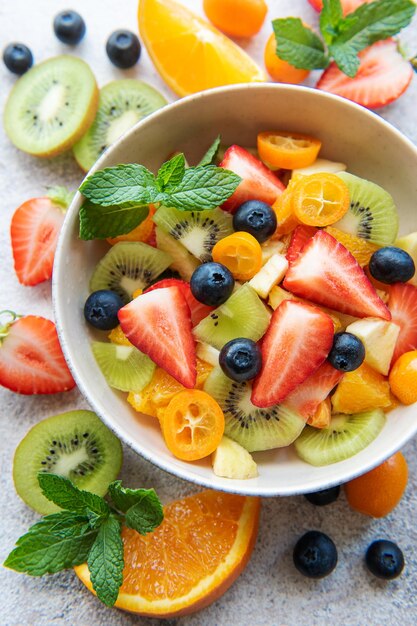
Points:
[[284, 314]]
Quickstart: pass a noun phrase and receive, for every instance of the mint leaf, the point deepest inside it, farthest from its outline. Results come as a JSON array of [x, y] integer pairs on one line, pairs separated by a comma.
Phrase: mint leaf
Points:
[[62, 492], [171, 173], [54, 543], [210, 156], [330, 18], [143, 508], [60, 196], [203, 187], [120, 184], [100, 222], [298, 45], [105, 561]]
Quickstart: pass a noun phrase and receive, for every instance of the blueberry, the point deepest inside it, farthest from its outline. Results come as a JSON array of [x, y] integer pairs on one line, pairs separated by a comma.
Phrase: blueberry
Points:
[[69, 27], [256, 218], [391, 265], [240, 359], [384, 559], [323, 497], [17, 58], [212, 283], [101, 308], [315, 554], [123, 49], [347, 353]]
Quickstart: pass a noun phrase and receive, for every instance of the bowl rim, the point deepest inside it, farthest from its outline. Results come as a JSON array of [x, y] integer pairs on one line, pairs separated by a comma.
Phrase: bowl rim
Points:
[[71, 216]]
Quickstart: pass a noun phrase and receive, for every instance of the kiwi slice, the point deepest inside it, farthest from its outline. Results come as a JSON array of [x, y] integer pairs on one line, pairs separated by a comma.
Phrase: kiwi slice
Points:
[[74, 444], [198, 231], [121, 105], [127, 266], [254, 428], [51, 106], [372, 214], [182, 261], [242, 315], [345, 436], [124, 367]]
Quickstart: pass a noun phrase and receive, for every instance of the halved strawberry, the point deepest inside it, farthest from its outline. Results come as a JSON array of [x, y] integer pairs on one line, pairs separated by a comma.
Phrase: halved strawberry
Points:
[[31, 359], [301, 234], [382, 77], [306, 397], [159, 324], [258, 182], [347, 5], [328, 274], [298, 339], [403, 306], [198, 310]]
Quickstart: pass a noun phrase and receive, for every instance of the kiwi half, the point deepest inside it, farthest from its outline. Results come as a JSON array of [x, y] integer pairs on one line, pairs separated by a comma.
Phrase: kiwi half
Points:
[[254, 428], [124, 367], [76, 445], [51, 106], [372, 214], [345, 436], [182, 261], [122, 104]]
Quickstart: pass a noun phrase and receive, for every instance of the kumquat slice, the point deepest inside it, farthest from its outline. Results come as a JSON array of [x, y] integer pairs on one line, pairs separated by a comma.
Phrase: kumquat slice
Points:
[[320, 199], [241, 253], [289, 151]]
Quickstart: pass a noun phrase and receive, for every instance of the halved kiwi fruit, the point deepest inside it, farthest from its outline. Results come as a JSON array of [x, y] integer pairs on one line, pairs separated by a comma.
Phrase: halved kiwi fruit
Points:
[[124, 367], [51, 106], [122, 104], [74, 444], [254, 428], [345, 436]]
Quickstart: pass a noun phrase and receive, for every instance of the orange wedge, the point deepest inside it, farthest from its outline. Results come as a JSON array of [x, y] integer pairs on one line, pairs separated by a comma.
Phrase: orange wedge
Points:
[[189, 53], [189, 561]]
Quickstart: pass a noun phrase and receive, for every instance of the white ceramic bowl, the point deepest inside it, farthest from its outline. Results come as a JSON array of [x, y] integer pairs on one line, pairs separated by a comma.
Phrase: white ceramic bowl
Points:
[[371, 148]]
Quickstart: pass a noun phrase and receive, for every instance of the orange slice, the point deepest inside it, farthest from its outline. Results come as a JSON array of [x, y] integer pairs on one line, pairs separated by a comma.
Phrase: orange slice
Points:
[[189, 53], [361, 249], [360, 390], [191, 559]]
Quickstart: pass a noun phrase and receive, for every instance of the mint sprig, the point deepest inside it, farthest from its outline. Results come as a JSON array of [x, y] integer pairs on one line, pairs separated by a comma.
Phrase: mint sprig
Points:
[[209, 157], [100, 222], [298, 45], [87, 530]]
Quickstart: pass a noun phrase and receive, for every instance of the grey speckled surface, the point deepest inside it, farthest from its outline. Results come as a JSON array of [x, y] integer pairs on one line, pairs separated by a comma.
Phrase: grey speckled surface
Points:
[[270, 591]]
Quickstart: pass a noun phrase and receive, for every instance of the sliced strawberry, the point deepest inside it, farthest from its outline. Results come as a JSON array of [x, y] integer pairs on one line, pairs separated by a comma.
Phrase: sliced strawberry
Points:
[[198, 310], [326, 273], [382, 77], [298, 339], [159, 324], [306, 397], [31, 359], [258, 182], [403, 306], [301, 234], [347, 5]]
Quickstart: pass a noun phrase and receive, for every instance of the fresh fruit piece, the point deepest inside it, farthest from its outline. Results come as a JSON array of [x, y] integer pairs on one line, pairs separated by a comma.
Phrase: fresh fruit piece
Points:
[[347, 353], [256, 218], [296, 343], [241, 253], [212, 284], [34, 232], [319, 166], [269, 275], [122, 103], [127, 266], [299, 238], [51, 106], [253, 428], [236, 18], [361, 390], [320, 199], [101, 308], [219, 527], [258, 182], [378, 492], [384, 559], [307, 397], [240, 359], [207, 353], [284, 150], [409, 244], [278, 69], [391, 265], [192, 64], [326, 273], [182, 261], [198, 231], [372, 214], [31, 359], [270, 248], [231, 460], [198, 310], [361, 249], [346, 436], [76, 445], [347, 5], [322, 416], [403, 377], [18, 58], [382, 77], [142, 232], [379, 339], [403, 306], [69, 27], [286, 218], [242, 315], [315, 555], [123, 367], [118, 337], [323, 497], [123, 49]]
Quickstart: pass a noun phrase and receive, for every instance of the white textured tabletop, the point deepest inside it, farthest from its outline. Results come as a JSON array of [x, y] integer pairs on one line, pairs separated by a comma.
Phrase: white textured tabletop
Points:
[[270, 591]]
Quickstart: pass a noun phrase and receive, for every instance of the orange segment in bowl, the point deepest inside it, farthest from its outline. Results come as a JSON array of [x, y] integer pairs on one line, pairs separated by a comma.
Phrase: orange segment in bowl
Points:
[[360, 390]]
